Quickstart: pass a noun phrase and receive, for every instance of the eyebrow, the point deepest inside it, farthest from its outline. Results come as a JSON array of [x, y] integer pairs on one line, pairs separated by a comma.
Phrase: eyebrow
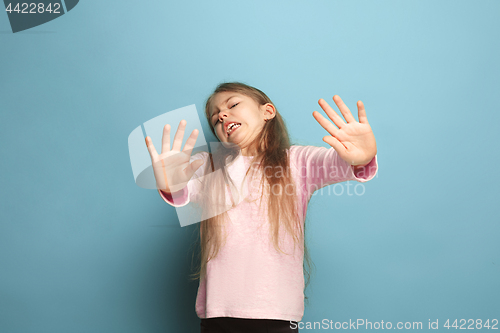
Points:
[[225, 102]]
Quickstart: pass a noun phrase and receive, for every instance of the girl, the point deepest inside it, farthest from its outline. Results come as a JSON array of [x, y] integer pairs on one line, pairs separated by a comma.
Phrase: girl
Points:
[[252, 256]]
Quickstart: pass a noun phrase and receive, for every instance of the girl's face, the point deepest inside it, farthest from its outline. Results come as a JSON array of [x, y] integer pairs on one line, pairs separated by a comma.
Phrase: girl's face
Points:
[[249, 117]]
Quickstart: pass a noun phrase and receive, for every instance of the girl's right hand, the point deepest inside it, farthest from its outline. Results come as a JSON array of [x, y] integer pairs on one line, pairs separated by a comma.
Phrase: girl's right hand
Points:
[[171, 168]]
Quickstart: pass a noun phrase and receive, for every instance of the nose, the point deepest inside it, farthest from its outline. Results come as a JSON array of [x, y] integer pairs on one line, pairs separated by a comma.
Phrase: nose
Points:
[[221, 115]]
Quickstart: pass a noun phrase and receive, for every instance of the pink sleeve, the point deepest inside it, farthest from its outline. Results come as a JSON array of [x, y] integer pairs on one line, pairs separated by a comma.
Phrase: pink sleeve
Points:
[[366, 173], [176, 199], [320, 166]]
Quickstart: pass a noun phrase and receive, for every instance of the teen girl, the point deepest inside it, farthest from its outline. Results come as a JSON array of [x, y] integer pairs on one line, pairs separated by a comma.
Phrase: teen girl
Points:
[[252, 255]]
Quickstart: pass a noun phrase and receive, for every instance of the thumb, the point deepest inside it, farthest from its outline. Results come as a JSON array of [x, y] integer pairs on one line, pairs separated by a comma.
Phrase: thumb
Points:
[[191, 168], [334, 142]]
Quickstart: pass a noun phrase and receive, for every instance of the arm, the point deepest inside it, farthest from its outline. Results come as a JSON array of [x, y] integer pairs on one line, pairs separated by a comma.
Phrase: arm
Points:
[[320, 167]]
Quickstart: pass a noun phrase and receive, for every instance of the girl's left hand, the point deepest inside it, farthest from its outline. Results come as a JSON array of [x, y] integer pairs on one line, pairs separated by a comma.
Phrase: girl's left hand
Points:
[[354, 141]]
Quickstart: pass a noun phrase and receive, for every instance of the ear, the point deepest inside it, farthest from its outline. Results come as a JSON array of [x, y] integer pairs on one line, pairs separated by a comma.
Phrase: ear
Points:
[[269, 111]]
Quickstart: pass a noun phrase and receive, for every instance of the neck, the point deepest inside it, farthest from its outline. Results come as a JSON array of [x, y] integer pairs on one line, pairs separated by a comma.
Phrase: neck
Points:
[[248, 151], [245, 152]]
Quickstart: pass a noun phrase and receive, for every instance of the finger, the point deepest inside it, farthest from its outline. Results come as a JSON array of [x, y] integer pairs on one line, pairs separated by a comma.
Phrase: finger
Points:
[[362, 113], [336, 144], [179, 135], [332, 114], [344, 109], [151, 149], [325, 123], [188, 147], [165, 141]]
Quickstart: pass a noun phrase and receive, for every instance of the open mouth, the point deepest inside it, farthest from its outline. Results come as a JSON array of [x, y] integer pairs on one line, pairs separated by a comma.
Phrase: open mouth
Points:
[[231, 128]]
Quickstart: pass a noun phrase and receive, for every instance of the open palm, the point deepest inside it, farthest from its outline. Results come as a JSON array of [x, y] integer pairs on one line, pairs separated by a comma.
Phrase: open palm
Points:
[[354, 141], [171, 168]]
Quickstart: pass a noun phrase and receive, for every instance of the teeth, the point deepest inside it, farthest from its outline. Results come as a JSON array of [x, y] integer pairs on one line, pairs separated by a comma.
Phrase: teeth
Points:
[[231, 127]]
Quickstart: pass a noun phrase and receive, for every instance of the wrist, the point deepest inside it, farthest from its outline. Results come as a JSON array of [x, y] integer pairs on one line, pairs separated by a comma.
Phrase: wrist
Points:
[[165, 190], [359, 166]]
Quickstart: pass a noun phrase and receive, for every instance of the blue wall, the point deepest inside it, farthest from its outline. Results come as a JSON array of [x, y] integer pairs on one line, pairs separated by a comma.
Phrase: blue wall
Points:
[[83, 249]]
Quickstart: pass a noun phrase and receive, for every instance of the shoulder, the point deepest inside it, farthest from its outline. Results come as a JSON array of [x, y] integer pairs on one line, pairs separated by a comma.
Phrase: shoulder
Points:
[[297, 154], [305, 155], [297, 151]]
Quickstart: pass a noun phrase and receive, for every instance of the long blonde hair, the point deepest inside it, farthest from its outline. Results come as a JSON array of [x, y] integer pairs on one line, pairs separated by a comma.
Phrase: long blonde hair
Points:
[[271, 147]]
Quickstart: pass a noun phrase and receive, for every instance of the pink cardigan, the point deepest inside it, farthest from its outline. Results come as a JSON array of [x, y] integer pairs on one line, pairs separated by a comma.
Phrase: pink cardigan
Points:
[[249, 278]]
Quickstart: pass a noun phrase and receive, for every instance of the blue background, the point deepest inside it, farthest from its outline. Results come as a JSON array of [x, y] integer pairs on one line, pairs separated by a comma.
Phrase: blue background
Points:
[[83, 249]]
